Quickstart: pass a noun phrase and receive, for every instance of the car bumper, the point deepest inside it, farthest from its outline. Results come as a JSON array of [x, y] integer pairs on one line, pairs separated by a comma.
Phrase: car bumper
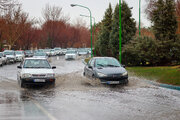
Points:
[[19, 59], [10, 60], [38, 80], [114, 80]]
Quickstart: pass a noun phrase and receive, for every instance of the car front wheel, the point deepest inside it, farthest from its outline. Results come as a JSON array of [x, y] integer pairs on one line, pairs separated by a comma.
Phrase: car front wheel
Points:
[[22, 84]]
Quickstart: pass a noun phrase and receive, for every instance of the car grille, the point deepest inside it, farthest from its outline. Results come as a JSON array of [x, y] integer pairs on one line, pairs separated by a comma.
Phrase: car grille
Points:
[[39, 75]]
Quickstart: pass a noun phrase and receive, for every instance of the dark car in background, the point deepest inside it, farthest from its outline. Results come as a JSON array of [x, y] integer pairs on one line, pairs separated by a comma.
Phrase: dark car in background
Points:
[[107, 69]]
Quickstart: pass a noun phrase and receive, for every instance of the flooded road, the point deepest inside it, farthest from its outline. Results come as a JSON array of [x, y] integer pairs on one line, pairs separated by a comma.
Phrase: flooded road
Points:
[[74, 97]]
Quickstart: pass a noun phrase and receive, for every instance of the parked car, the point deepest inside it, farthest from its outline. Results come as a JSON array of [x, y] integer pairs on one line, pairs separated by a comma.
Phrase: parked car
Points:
[[57, 51], [52, 52], [40, 55], [82, 52], [19, 55], [28, 53], [35, 71], [64, 51], [4, 59], [70, 54], [107, 69], [10, 55], [48, 52]]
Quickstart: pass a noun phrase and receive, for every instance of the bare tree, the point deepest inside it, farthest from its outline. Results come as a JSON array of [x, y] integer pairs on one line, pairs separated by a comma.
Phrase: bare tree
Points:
[[16, 24], [5, 4], [52, 13]]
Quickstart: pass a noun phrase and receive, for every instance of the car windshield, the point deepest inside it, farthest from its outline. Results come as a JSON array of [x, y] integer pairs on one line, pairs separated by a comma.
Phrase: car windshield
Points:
[[46, 50], [36, 63], [9, 53], [40, 54], [1, 54], [18, 52], [71, 52], [107, 62], [28, 51]]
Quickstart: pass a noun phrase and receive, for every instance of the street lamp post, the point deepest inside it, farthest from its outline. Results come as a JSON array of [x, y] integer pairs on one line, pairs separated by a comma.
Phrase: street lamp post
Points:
[[73, 5], [120, 32], [94, 30]]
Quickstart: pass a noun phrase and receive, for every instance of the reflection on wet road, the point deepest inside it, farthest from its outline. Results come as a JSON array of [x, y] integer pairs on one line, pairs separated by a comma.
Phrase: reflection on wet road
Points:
[[75, 98]]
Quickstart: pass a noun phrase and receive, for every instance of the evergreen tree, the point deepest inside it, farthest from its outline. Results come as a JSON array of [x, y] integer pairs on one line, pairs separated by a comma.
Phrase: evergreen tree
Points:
[[114, 35], [164, 27], [128, 24], [104, 34], [128, 28]]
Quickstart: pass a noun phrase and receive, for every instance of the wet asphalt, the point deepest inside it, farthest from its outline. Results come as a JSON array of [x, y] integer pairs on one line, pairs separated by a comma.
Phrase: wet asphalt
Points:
[[74, 97]]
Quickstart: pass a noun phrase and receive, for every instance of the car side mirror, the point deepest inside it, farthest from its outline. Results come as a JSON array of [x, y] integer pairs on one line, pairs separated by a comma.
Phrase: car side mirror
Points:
[[19, 67], [4, 55], [123, 66], [90, 67], [53, 67]]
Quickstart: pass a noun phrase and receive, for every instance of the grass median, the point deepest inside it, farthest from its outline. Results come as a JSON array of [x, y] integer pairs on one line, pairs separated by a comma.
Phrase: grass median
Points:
[[168, 75]]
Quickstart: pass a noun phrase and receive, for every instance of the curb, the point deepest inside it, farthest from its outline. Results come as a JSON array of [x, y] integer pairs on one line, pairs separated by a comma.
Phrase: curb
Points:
[[164, 85]]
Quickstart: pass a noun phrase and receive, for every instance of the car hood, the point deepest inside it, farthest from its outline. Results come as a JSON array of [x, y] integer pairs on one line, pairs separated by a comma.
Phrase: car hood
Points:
[[19, 55], [37, 71], [39, 56], [10, 56], [70, 54], [111, 70]]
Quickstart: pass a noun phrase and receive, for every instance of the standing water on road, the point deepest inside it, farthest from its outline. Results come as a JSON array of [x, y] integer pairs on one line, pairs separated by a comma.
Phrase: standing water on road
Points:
[[75, 98]]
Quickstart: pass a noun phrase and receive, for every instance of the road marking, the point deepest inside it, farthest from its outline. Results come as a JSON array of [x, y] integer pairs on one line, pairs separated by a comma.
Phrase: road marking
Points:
[[44, 110]]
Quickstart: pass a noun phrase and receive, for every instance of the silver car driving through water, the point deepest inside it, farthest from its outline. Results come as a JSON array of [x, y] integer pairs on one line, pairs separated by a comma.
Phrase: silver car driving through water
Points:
[[35, 71]]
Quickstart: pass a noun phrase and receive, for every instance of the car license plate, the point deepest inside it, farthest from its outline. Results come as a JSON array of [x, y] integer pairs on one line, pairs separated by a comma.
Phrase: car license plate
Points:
[[112, 82], [39, 80]]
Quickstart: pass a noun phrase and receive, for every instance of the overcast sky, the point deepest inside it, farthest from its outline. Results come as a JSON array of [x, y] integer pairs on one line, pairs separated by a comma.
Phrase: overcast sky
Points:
[[98, 7]]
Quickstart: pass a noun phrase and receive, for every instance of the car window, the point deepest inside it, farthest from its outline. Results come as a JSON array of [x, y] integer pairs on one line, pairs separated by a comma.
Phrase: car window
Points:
[[36, 63], [107, 62], [92, 63], [40, 54]]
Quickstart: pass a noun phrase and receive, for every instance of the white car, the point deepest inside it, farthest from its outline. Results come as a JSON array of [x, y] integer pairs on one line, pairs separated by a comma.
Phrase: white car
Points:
[[40, 55], [19, 55], [71, 54], [82, 52], [35, 71], [64, 51], [10, 55], [4, 59], [57, 50], [52, 52]]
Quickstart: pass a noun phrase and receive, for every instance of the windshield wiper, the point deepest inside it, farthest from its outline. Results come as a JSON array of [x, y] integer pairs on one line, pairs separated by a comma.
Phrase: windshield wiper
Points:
[[101, 65], [109, 65]]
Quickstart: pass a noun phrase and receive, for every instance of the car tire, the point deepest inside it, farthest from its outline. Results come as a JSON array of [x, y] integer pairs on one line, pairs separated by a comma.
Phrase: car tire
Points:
[[126, 82], [22, 84]]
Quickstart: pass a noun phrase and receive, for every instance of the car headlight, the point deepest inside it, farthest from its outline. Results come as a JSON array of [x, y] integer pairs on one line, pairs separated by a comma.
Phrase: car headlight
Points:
[[50, 75], [101, 75], [26, 75], [124, 74]]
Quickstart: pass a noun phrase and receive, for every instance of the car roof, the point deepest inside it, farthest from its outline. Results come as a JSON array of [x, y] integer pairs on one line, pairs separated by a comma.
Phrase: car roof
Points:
[[33, 58], [102, 57]]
